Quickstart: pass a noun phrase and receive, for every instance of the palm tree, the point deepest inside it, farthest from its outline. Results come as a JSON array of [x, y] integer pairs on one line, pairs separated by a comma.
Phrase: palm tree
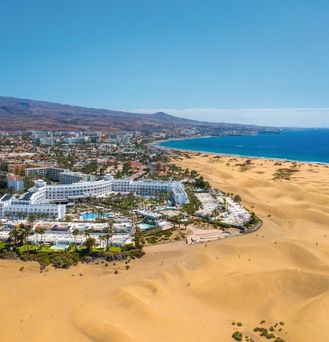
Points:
[[111, 222], [20, 234], [87, 233], [27, 231], [31, 219], [90, 243], [176, 220], [109, 233], [14, 234], [41, 231], [75, 233], [102, 238], [107, 238]]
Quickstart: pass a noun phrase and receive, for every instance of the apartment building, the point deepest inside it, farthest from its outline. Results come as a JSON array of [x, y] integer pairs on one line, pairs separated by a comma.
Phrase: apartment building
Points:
[[69, 177], [14, 182], [152, 189], [48, 172], [77, 190]]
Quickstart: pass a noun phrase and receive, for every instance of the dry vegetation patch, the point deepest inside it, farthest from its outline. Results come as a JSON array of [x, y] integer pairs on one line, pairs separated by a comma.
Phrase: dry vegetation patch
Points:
[[284, 173]]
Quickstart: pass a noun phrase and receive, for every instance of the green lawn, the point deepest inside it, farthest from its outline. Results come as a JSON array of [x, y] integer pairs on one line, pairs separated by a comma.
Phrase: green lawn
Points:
[[115, 249], [47, 248], [27, 247], [112, 249], [71, 248]]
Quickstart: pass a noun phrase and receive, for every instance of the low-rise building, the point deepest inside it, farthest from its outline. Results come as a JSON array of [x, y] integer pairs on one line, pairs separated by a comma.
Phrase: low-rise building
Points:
[[14, 182]]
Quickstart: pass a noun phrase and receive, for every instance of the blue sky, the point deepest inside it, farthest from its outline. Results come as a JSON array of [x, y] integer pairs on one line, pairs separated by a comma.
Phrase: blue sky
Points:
[[257, 61]]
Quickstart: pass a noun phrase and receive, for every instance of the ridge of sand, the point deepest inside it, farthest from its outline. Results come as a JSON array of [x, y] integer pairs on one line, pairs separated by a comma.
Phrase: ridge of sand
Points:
[[176, 292]]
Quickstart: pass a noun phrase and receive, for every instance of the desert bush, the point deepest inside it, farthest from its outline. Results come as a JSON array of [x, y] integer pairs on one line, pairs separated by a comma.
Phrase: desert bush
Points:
[[237, 336]]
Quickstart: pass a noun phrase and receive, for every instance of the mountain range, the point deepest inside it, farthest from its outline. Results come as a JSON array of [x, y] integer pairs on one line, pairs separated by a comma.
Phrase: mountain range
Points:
[[24, 115]]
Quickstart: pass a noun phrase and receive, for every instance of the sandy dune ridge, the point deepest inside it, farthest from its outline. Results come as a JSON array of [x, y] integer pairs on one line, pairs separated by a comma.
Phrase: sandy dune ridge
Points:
[[177, 292]]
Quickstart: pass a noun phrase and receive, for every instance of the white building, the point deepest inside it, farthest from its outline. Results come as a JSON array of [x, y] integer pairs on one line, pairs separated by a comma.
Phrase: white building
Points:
[[67, 192], [40, 198], [152, 189], [77, 190], [57, 174], [46, 141], [69, 177], [49, 172], [29, 204], [77, 140]]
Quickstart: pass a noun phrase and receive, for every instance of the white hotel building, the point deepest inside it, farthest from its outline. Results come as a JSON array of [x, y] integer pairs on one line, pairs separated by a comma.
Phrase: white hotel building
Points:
[[30, 204], [41, 198]]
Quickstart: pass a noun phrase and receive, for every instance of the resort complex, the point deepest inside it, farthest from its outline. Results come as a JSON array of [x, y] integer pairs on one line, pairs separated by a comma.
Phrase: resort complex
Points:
[[113, 192], [40, 199]]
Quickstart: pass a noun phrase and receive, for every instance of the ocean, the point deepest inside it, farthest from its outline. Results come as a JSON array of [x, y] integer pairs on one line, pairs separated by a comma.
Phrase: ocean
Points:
[[308, 145]]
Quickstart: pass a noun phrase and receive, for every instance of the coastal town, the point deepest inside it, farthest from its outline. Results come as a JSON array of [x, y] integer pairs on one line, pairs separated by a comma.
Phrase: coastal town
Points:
[[108, 195], [164, 171]]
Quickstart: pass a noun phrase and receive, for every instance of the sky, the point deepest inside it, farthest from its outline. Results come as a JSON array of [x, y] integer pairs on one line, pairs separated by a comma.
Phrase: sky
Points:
[[251, 61]]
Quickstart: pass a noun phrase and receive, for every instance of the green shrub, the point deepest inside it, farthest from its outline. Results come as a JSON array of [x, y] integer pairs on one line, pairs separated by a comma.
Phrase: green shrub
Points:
[[152, 239], [64, 261], [237, 336], [264, 332]]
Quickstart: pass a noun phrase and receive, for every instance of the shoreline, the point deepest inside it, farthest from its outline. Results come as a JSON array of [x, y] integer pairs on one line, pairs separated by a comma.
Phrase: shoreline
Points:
[[156, 143], [232, 155]]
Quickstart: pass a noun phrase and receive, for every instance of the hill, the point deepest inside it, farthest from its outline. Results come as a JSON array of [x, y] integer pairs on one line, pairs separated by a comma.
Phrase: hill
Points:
[[23, 114]]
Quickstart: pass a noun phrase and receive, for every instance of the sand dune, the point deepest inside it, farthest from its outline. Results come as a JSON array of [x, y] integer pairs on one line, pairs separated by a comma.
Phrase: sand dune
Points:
[[178, 292]]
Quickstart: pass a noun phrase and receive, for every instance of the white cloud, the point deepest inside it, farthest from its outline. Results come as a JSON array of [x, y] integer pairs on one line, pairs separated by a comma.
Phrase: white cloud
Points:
[[287, 117]]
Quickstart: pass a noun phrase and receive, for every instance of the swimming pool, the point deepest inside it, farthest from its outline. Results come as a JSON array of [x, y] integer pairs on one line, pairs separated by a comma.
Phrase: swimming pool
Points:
[[60, 246], [145, 226], [94, 216]]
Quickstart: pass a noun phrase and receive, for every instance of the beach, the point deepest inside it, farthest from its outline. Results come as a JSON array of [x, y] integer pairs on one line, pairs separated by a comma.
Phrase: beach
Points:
[[175, 292]]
